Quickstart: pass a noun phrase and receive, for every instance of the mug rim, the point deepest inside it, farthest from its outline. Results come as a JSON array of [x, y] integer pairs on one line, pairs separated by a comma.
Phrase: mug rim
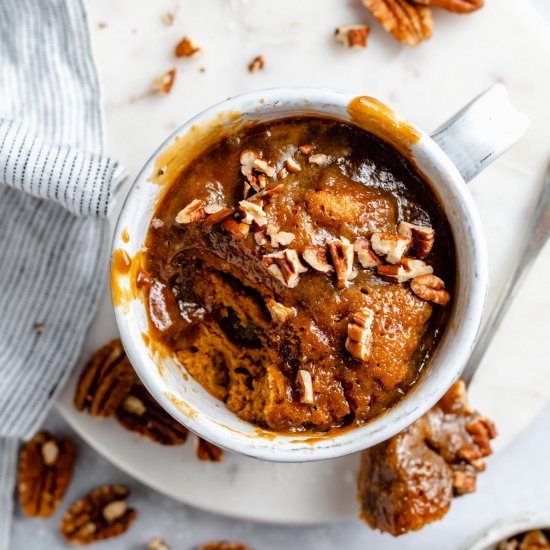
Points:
[[424, 152]]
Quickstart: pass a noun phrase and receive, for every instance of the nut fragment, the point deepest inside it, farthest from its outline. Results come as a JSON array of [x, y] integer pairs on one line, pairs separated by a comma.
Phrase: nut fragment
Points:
[[157, 544], [218, 216], [279, 312], [482, 431], [257, 64], [292, 165], [156, 223], [319, 159], [359, 340], [187, 48], [253, 213], [464, 482], [105, 381], [307, 148], [365, 254], [163, 83], [457, 6], [430, 288], [422, 237], [317, 258], [407, 21], [100, 515], [208, 451], [352, 36], [391, 246], [405, 270], [140, 413], [236, 228], [305, 385], [285, 266], [247, 159], [45, 470], [193, 212], [262, 165], [278, 238], [341, 252], [224, 545]]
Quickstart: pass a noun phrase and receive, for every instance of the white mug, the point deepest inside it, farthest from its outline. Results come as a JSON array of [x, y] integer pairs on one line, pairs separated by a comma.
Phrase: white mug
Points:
[[459, 150]]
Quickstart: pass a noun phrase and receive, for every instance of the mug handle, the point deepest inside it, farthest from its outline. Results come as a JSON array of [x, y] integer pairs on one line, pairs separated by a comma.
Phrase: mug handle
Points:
[[481, 132]]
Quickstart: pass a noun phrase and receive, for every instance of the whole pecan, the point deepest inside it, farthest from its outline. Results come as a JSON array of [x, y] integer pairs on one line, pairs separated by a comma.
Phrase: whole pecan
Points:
[[45, 470], [140, 413], [457, 6], [105, 381], [407, 21], [430, 288], [100, 515]]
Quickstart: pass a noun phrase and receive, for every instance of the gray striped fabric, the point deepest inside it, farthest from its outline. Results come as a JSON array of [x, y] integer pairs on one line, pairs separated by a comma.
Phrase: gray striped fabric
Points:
[[56, 185]]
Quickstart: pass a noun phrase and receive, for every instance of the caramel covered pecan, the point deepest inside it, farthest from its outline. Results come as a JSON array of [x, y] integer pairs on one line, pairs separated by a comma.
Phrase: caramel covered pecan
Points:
[[431, 289], [407, 21], [45, 470], [208, 451], [105, 381], [100, 515], [140, 413], [236, 228]]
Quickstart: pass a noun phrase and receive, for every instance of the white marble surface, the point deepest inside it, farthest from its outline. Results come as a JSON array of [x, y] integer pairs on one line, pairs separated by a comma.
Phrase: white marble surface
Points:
[[520, 470]]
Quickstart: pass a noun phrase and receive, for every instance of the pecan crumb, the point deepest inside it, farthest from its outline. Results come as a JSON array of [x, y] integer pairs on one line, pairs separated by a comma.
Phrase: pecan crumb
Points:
[[157, 544], [157, 223], [307, 148], [352, 36], [186, 47], [163, 83], [168, 18], [257, 64]]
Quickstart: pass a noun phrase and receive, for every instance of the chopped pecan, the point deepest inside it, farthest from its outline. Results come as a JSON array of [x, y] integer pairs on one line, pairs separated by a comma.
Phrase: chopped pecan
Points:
[[352, 36], [193, 212], [224, 545], [157, 544], [456, 399], [391, 246], [140, 413], [216, 217], [100, 515], [264, 166], [105, 381], [236, 228], [267, 194], [157, 223], [457, 6], [285, 266], [292, 165], [257, 64], [252, 212], [407, 21], [45, 470], [320, 159], [317, 258], [187, 48], [278, 238], [341, 252], [405, 270], [305, 385], [422, 237], [464, 482], [307, 148], [163, 83], [247, 159], [279, 312], [430, 288], [359, 340], [482, 431], [208, 451], [365, 254]]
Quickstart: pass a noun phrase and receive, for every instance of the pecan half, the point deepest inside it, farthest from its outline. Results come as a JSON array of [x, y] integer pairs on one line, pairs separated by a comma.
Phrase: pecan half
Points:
[[352, 36], [193, 212], [163, 83], [430, 288], [341, 252], [317, 258], [285, 266], [208, 451], [359, 340], [236, 228], [279, 312], [365, 254], [405, 270], [252, 212], [457, 6], [391, 246], [100, 515], [422, 237], [305, 385], [407, 21], [224, 545], [140, 413], [45, 470], [187, 48], [105, 381]]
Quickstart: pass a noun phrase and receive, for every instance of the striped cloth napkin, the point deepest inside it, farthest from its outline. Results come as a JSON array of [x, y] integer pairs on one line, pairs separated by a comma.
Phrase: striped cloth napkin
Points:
[[56, 189]]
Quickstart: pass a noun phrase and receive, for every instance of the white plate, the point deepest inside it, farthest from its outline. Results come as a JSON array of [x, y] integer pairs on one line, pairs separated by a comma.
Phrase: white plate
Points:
[[425, 84], [323, 491]]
